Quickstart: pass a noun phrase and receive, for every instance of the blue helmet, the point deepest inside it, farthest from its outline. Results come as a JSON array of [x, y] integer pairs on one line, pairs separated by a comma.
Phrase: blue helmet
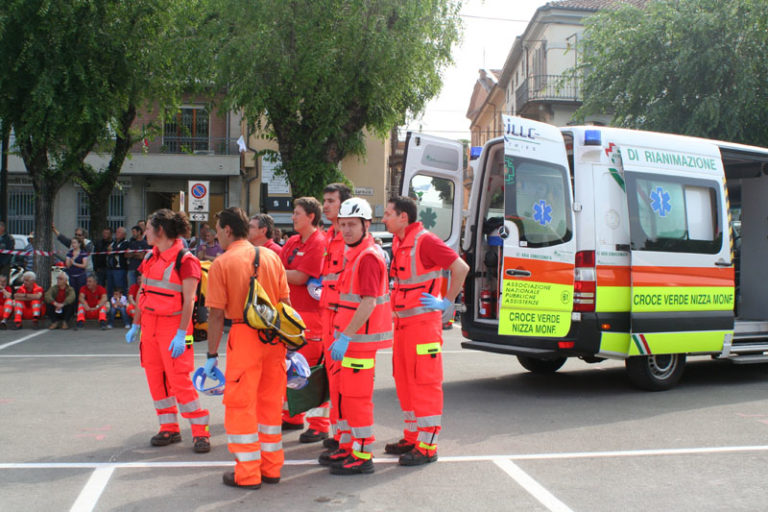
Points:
[[198, 379], [297, 370]]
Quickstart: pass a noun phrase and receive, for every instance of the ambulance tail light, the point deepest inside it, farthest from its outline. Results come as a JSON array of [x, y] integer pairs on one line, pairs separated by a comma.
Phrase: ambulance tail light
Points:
[[584, 285]]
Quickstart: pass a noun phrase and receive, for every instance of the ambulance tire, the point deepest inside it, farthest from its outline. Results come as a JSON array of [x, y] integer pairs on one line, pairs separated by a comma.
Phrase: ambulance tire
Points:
[[541, 366], [655, 373]]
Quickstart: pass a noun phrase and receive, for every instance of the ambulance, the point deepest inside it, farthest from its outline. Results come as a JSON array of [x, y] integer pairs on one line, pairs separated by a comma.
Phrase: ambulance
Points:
[[603, 243]]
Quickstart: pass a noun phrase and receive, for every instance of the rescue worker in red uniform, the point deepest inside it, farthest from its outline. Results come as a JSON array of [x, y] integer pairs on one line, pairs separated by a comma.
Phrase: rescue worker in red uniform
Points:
[[363, 325], [261, 229], [28, 301], [255, 373], [163, 323], [92, 303], [6, 301], [333, 263], [302, 257], [419, 259]]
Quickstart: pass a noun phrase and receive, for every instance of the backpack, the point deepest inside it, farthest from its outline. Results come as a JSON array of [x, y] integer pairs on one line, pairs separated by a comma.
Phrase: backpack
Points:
[[279, 323]]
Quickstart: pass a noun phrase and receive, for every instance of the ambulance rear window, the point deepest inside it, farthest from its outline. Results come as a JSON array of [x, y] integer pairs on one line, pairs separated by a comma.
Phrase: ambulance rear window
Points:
[[537, 200]]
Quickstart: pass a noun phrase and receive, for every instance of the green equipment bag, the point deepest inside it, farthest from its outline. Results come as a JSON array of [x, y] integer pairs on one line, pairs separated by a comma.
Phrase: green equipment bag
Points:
[[313, 394]]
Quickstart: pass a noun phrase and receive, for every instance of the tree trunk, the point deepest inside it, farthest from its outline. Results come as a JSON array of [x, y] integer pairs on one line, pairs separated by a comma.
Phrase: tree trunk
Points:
[[45, 197], [99, 205]]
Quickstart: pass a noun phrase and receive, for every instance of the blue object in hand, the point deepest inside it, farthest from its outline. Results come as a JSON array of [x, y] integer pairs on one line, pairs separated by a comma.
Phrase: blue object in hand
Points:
[[340, 346], [178, 343], [315, 281], [133, 334], [432, 302], [210, 364]]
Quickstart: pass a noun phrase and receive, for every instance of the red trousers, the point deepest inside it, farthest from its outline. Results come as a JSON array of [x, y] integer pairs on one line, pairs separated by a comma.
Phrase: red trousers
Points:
[[100, 314], [318, 418], [253, 401], [417, 366], [355, 382], [168, 378], [332, 368], [25, 309]]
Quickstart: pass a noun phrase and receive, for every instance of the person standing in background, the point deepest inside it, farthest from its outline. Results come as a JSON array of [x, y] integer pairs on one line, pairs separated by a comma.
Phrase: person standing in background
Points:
[[7, 244], [138, 244], [99, 260], [117, 266], [76, 263], [260, 232]]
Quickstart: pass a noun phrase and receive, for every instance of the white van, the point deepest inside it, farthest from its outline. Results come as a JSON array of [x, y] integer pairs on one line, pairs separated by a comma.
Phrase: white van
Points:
[[598, 243]]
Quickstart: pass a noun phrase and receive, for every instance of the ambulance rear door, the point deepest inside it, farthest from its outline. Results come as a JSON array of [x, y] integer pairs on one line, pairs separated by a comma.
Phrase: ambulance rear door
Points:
[[682, 274], [434, 173], [539, 244]]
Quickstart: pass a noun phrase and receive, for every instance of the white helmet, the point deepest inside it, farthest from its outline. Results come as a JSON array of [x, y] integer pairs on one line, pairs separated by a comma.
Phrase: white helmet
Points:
[[355, 207]]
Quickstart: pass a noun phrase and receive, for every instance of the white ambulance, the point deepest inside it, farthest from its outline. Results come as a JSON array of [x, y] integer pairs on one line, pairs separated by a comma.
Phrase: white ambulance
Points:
[[604, 243]]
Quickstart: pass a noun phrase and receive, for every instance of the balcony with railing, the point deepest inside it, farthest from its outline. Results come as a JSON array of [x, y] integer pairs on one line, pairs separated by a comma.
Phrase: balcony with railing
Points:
[[547, 89], [180, 145]]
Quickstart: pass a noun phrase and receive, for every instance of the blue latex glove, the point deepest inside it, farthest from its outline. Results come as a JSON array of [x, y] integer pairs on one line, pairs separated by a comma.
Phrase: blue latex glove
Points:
[[178, 343], [432, 302], [133, 334], [210, 364], [340, 346]]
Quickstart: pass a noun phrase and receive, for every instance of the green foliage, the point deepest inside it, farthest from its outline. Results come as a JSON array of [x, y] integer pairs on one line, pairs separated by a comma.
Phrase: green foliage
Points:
[[314, 74], [696, 67]]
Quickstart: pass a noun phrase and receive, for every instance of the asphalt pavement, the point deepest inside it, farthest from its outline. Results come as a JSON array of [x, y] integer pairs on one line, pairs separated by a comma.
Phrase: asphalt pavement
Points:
[[76, 418]]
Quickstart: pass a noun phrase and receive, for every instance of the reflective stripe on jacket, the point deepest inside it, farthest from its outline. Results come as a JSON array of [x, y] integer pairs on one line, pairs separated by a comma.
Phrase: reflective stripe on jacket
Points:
[[161, 282], [333, 264]]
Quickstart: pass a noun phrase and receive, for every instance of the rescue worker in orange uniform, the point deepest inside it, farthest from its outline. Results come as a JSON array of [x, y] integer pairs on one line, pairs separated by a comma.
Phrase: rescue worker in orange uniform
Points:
[[255, 373], [333, 263], [302, 257], [419, 259], [6, 301], [362, 325], [92, 303], [163, 323], [28, 301]]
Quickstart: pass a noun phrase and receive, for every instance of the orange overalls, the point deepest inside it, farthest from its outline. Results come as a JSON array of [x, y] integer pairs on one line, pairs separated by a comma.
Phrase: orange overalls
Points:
[[417, 362], [27, 309], [357, 369], [333, 264], [160, 303]]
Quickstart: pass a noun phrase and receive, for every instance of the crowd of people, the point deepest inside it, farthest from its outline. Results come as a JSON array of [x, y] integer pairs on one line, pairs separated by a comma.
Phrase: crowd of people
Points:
[[352, 300]]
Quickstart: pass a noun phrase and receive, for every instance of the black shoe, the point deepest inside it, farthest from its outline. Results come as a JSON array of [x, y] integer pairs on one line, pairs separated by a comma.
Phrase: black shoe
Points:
[[353, 466], [416, 458], [399, 448], [201, 444], [80, 324], [331, 444], [287, 425], [35, 324], [103, 325], [17, 326], [312, 436], [165, 437], [3, 325], [229, 479], [270, 479], [330, 457]]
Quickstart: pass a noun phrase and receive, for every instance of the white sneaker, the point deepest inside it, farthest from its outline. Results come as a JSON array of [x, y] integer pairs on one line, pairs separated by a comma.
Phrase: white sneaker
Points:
[[109, 326], [127, 326]]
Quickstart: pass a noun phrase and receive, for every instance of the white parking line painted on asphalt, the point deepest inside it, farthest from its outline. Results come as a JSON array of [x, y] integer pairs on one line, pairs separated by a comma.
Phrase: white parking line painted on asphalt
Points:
[[25, 338], [91, 493], [456, 458], [533, 487]]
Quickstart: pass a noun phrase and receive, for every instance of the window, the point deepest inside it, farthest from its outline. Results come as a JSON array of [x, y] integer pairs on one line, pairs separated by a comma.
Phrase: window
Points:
[[435, 203], [537, 200], [187, 131], [673, 214], [21, 211], [115, 210]]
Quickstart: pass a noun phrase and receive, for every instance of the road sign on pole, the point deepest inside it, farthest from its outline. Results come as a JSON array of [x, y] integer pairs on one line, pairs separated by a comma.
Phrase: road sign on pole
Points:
[[198, 197]]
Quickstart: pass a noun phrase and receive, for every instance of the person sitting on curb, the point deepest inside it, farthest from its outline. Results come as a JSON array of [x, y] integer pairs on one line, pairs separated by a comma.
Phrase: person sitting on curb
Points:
[[6, 301], [118, 304], [28, 301], [93, 303], [60, 298]]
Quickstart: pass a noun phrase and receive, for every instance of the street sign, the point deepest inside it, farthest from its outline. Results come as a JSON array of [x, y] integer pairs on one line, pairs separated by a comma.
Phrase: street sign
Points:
[[198, 197], [198, 217]]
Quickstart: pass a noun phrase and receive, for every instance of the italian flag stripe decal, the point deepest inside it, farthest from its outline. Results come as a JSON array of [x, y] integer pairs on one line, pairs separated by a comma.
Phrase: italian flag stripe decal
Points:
[[642, 344]]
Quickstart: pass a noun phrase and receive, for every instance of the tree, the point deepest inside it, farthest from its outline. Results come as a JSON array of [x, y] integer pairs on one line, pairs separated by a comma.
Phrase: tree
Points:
[[696, 67], [53, 94], [314, 74]]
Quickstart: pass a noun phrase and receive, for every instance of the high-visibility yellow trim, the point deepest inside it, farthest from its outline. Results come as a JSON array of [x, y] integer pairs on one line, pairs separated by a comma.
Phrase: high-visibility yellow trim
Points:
[[358, 364], [682, 298], [614, 344], [425, 446], [613, 299], [424, 349], [362, 455], [682, 342], [521, 322], [189, 339]]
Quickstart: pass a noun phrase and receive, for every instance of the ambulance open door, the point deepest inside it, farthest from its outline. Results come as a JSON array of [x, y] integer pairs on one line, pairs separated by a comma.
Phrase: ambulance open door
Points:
[[433, 174], [536, 285], [682, 274]]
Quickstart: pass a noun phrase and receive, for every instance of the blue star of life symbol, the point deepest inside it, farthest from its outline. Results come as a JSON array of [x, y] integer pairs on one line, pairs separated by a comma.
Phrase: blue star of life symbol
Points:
[[660, 202], [542, 213]]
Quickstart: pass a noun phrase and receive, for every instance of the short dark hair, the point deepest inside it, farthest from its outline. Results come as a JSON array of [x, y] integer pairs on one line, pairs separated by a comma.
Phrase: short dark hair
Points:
[[174, 224], [236, 219], [265, 221], [343, 190], [407, 205], [310, 205]]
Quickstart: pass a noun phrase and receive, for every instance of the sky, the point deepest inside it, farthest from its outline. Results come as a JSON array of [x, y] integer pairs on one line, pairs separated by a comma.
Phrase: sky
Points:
[[490, 28]]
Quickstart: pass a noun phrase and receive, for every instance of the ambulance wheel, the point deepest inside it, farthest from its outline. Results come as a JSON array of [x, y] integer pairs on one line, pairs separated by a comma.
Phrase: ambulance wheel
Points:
[[655, 373], [535, 365]]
